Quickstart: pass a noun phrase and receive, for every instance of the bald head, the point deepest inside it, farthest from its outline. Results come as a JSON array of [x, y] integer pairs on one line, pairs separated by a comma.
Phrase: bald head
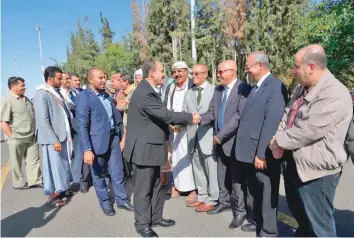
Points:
[[313, 54], [93, 71], [230, 64], [96, 79], [227, 72]]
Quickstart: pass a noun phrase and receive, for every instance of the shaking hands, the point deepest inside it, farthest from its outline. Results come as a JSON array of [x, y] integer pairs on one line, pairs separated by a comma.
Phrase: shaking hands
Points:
[[196, 118]]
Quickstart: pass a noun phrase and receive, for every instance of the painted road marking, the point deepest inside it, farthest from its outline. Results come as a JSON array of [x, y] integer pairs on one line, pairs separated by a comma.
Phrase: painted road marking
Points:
[[5, 169]]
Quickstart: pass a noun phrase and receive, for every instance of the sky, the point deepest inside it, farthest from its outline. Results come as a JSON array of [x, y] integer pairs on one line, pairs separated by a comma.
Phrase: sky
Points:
[[19, 37]]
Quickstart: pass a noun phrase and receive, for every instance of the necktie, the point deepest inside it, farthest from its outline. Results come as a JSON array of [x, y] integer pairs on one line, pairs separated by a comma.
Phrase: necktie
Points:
[[199, 97], [222, 109], [72, 96], [253, 91]]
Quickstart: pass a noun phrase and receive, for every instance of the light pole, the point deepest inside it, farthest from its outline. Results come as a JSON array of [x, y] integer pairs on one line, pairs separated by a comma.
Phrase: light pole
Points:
[[194, 50], [38, 27]]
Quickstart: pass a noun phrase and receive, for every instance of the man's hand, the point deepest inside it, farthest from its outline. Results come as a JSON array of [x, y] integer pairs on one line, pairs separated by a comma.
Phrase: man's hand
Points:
[[273, 144], [276, 150], [89, 157], [57, 147], [217, 141], [196, 118], [260, 163]]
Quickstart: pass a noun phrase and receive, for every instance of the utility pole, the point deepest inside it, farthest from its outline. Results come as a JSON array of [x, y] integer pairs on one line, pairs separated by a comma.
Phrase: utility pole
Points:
[[194, 50], [38, 27]]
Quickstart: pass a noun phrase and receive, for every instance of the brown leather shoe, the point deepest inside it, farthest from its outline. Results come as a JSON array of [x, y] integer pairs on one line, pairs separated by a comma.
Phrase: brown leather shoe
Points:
[[204, 208], [194, 204]]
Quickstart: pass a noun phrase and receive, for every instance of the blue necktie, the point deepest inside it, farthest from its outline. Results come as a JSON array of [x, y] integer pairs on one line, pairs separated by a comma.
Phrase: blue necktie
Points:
[[72, 96], [222, 109]]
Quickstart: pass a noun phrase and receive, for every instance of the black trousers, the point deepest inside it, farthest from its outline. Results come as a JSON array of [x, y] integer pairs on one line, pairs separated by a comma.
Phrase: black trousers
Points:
[[263, 186], [147, 202], [85, 174], [224, 176]]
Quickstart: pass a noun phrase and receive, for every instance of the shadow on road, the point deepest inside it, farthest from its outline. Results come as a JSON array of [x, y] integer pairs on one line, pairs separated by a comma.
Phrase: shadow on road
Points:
[[20, 224]]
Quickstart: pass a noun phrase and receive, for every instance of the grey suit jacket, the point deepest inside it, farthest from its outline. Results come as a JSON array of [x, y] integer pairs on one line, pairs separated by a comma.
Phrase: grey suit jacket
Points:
[[259, 121], [234, 107], [50, 123], [203, 133]]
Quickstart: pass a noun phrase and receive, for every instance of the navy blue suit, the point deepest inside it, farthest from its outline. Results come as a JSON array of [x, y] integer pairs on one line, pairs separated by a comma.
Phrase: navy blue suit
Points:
[[258, 123], [96, 134]]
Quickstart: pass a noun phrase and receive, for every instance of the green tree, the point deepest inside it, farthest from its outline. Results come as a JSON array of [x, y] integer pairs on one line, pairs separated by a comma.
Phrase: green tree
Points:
[[208, 33], [331, 25], [84, 50], [106, 32], [136, 41], [275, 27], [167, 20], [116, 58]]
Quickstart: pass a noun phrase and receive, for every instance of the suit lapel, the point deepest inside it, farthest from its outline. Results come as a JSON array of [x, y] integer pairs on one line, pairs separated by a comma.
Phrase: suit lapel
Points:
[[233, 94], [252, 100], [193, 96], [96, 101], [208, 89]]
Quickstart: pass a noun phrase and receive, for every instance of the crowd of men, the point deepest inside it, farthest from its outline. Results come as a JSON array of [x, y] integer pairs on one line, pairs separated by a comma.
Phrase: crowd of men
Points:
[[225, 144]]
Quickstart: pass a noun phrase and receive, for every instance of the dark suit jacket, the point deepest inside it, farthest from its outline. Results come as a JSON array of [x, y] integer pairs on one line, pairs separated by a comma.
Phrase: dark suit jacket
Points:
[[93, 123], [234, 107], [260, 119], [147, 127]]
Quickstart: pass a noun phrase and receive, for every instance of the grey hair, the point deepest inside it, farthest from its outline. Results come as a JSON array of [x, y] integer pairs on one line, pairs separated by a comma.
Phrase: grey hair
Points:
[[318, 58], [148, 66], [262, 57]]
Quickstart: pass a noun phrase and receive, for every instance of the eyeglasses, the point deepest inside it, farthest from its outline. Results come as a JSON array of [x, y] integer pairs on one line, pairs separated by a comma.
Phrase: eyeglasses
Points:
[[197, 73], [222, 71], [248, 67]]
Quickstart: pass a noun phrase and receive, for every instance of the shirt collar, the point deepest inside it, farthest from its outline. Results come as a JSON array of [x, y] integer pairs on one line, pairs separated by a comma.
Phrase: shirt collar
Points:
[[259, 83], [156, 89], [203, 86], [183, 87], [232, 84], [14, 95]]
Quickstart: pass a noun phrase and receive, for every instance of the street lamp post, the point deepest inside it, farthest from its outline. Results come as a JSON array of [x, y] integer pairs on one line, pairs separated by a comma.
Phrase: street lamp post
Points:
[[38, 27]]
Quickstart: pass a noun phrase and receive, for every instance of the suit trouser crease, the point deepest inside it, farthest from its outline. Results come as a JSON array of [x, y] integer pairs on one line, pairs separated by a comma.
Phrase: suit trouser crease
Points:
[[115, 168], [205, 176], [77, 161], [224, 177], [264, 190], [147, 201], [312, 202], [29, 151]]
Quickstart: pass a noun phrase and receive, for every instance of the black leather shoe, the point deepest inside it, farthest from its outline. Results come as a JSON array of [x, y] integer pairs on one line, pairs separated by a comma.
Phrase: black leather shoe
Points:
[[24, 187], [219, 208], [108, 211], [164, 223], [250, 227], [147, 232], [37, 186], [237, 221], [127, 206], [83, 188]]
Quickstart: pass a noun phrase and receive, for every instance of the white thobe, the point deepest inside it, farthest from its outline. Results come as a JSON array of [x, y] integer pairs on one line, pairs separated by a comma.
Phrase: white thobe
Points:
[[181, 159]]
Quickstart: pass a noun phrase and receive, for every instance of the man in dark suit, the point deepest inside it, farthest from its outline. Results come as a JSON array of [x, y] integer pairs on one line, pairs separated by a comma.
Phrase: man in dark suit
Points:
[[255, 164], [99, 127], [145, 146], [224, 111]]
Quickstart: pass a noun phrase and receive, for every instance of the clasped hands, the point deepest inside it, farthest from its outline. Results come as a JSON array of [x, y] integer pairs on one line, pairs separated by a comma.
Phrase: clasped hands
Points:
[[196, 118]]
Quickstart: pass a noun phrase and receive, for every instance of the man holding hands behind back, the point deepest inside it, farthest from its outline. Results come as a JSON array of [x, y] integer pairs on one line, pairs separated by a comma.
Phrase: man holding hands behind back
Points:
[[146, 149]]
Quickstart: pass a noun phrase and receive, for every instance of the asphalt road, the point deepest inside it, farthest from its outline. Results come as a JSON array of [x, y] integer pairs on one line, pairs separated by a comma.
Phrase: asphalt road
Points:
[[23, 214]]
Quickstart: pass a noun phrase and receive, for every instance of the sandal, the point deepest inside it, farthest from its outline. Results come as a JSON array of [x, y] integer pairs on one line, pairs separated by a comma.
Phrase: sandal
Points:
[[56, 202]]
